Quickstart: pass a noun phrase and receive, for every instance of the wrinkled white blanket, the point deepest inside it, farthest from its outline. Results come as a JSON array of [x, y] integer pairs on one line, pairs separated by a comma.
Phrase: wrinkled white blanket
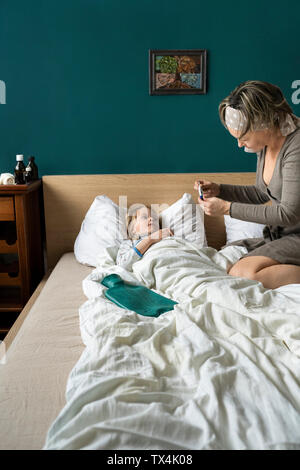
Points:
[[220, 371]]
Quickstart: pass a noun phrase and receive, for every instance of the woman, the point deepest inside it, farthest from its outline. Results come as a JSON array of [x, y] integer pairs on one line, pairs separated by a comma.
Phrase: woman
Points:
[[258, 116]]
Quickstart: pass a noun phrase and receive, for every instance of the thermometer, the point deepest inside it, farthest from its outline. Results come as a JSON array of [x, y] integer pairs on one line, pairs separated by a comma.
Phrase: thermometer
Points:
[[200, 192]]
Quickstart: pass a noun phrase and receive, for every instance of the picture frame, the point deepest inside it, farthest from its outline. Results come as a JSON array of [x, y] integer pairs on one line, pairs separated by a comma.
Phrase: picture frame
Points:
[[178, 72]]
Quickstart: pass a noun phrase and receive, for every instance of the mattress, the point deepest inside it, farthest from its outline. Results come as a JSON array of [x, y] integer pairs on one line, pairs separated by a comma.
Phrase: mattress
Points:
[[32, 392]]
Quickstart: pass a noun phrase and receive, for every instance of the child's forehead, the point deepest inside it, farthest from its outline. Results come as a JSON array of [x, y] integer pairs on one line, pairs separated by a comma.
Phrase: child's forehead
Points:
[[143, 210]]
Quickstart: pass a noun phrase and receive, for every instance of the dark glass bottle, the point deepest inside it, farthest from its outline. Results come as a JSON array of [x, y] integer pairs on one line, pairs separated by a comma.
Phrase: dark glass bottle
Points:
[[34, 169], [20, 170], [28, 174]]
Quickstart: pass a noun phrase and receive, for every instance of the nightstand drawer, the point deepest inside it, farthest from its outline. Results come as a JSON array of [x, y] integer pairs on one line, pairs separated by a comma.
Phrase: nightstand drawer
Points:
[[7, 280], [6, 248], [7, 210]]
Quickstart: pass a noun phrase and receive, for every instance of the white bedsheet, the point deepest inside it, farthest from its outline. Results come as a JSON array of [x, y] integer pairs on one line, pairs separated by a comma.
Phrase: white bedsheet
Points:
[[220, 371]]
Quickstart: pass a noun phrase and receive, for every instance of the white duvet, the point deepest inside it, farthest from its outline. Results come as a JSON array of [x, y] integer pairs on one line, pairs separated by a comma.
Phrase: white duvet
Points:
[[220, 371]]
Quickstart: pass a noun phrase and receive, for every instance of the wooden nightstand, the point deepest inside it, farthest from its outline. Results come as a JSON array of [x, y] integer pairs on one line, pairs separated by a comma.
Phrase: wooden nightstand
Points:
[[21, 247]]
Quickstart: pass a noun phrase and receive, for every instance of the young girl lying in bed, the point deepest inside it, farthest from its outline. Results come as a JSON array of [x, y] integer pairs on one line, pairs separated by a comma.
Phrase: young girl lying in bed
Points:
[[143, 230]]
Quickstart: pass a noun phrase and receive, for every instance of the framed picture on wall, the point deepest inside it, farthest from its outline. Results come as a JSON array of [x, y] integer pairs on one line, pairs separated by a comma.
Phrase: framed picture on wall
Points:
[[178, 72]]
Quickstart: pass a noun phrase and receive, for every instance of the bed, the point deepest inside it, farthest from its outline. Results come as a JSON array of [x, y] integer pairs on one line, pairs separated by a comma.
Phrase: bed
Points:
[[220, 371]]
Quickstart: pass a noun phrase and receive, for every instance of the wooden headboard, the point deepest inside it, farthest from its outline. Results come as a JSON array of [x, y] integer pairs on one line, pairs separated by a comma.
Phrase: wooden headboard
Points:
[[68, 197]]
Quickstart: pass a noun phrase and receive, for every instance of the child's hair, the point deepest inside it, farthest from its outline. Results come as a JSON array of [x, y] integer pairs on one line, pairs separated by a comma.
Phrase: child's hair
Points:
[[131, 219]]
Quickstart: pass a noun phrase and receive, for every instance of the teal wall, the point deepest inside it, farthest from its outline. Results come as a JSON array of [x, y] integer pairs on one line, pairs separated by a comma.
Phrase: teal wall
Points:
[[76, 75]]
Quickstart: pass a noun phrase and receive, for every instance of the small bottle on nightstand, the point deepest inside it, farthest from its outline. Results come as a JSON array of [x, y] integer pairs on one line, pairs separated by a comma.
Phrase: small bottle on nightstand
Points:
[[20, 170], [28, 174], [34, 168]]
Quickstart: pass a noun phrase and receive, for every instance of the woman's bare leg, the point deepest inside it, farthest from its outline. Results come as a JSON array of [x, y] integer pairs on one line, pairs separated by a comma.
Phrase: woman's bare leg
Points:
[[266, 270]]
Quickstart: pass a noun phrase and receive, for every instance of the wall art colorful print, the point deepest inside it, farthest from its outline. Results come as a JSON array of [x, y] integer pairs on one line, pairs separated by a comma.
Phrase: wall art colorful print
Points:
[[177, 72]]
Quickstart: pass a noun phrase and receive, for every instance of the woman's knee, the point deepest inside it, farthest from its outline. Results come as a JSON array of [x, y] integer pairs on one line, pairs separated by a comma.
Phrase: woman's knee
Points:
[[241, 270], [250, 267]]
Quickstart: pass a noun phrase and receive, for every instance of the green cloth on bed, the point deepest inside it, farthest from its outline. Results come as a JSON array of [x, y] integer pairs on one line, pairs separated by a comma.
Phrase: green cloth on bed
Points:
[[140, 299]]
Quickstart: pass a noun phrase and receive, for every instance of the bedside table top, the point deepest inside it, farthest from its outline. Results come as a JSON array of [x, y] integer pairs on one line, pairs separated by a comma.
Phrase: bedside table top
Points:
[[19, 188]]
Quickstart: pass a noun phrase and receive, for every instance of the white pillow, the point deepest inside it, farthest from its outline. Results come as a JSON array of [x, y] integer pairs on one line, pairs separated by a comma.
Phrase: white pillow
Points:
[[186, 220], [104, 225], [239, 229]]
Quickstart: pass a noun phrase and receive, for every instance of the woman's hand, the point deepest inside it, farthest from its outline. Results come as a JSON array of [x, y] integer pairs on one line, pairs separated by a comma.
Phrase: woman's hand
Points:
[[209, 188], [215, 206]]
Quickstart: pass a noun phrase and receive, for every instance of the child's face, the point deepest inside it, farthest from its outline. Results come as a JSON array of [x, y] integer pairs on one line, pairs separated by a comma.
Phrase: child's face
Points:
[[145, 223]]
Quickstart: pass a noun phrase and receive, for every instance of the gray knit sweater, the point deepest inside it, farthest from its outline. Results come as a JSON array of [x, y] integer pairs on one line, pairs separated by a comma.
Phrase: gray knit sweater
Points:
[[283, 190]]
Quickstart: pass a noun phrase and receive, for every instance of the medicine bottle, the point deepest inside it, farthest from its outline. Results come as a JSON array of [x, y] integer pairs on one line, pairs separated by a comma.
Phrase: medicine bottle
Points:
[[34, 168], [20, 170]]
